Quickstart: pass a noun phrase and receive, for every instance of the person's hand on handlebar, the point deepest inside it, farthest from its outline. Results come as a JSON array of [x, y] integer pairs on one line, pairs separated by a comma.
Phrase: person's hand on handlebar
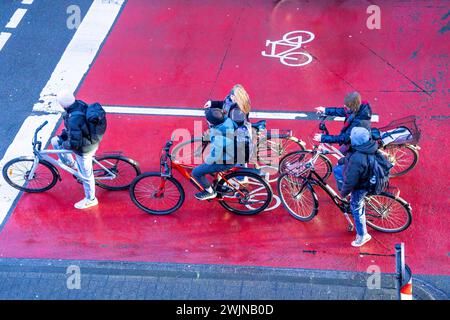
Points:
[[320, 110], [318, 137]]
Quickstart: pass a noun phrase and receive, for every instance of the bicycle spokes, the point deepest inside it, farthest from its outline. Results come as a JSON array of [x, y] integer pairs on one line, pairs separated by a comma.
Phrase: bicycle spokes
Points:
[[19, 174], [386, 213]]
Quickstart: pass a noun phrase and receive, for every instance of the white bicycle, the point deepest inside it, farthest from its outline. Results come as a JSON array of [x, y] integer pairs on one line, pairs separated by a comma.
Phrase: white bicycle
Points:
[[39, 173]]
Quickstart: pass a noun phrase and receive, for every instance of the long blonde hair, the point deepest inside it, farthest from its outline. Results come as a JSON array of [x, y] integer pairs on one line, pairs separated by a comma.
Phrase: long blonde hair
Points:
[[242, 98]]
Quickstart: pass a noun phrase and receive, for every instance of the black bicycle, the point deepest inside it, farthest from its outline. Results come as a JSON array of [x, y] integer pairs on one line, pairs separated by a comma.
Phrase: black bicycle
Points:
[[385, 212], [398, 141]]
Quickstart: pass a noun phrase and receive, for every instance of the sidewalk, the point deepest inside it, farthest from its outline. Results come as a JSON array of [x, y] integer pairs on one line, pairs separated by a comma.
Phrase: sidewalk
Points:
[[47, 279]]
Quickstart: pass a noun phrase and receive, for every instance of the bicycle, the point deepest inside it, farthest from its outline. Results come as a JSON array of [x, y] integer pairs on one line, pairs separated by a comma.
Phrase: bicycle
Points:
[[296, 190], [397, 144], [239, 190], [39, 173], [269, 148]]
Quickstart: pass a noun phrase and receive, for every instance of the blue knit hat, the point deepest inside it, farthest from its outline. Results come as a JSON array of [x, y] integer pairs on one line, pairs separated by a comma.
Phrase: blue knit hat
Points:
[[359, 135]]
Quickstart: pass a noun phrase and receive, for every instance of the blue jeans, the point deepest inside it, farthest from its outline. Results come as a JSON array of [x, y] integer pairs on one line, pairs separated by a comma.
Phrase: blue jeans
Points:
[[84, 164], [338, 172], [200, 172], [358, 211]]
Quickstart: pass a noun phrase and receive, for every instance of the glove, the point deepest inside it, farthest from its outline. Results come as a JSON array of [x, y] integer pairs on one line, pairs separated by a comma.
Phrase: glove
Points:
[[66, 145], [64, 135]]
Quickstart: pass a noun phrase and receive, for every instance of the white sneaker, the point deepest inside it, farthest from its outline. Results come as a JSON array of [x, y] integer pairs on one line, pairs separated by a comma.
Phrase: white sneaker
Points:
[[359, 241], [86, 203]]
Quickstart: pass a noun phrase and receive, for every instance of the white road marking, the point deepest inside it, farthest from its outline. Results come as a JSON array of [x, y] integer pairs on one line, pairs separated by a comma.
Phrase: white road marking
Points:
[[200, 113], [27, 1], [4, 36], [16, 18], [72, 66], [80, 53]]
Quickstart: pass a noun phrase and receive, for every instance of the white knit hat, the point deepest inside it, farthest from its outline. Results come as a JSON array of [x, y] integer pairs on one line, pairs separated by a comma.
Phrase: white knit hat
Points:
[[65, 98], [359, 135]]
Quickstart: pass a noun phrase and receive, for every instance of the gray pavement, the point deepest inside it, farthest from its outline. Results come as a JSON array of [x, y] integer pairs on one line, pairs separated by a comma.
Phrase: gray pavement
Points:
[[31, 279]]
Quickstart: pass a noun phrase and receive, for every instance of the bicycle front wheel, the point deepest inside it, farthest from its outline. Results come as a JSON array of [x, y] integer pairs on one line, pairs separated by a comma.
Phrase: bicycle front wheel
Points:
[[155, 194], [244, 193], [403, 157], [17, 173], [124, 170], [298, 197], [387, 213]]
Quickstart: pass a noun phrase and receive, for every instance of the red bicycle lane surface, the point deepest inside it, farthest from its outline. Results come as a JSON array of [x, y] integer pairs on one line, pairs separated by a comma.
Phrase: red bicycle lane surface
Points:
[[170, 54]]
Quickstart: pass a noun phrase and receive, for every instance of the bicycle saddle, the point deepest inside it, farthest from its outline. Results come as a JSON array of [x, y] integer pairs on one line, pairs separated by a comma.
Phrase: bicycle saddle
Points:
[[259, 125]]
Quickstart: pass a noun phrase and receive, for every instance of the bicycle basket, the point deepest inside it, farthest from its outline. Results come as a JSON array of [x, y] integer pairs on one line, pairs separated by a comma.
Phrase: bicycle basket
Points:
[[401, 131]]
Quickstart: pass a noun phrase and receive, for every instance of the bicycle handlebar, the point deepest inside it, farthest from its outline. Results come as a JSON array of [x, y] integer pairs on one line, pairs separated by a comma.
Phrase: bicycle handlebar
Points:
[[37, 131], [168, 145], [322, 125]]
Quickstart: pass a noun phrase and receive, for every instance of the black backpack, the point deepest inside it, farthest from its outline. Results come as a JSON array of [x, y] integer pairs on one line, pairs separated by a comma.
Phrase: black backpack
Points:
[[95, 121], [379, 169], [243, 141]]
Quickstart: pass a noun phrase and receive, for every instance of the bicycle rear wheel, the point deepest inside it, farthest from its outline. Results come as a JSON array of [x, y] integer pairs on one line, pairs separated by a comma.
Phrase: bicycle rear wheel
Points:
[[404, 158], [16, 173], [387, 213], [298, 197], [124, 169], [155, 194], [322, 166], [244, 193]]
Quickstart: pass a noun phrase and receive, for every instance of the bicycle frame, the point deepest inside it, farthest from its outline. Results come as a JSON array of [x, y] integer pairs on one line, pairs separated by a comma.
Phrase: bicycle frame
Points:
[[167, 165], [314, 178], [45, 155]]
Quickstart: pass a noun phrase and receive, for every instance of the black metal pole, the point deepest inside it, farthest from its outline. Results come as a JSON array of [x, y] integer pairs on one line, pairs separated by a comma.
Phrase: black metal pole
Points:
[[398, 267]]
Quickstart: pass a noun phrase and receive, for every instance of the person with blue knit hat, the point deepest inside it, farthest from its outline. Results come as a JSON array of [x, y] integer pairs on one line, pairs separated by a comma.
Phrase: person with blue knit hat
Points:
[[356, 177]]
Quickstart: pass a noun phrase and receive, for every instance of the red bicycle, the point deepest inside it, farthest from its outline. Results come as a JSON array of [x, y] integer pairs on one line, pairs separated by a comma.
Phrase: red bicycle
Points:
[[239, 190]]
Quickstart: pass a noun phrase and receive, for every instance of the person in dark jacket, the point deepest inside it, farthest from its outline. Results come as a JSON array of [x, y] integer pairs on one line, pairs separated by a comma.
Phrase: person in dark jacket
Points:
[[356, 114], [75, 137], [356, 177]]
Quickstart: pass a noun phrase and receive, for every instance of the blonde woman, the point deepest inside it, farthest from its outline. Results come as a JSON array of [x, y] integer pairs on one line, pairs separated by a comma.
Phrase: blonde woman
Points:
[[236, 105]]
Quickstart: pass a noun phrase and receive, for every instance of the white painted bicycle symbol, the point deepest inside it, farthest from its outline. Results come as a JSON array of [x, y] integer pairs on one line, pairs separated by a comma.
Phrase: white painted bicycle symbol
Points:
[[291, 57]]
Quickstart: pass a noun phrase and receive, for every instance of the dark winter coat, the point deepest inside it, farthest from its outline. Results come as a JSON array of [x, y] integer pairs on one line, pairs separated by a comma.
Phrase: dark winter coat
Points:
[[360, 119], [356, 167], [75, 135]]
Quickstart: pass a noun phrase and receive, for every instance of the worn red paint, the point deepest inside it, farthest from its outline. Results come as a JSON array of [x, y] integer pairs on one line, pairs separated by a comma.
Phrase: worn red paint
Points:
[[171, 54]]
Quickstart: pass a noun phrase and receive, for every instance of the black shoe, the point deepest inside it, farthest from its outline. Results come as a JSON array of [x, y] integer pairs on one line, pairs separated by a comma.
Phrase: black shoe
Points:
[[205, 195]]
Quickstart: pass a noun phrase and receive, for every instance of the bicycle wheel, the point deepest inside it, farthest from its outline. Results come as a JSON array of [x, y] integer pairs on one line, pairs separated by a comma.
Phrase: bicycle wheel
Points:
[[124, 168], [244, 193], [293, 160], [298, 197], [404, 158], [192, 151], [272, 150], [16, 174], [387, 213], [155, 194]]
